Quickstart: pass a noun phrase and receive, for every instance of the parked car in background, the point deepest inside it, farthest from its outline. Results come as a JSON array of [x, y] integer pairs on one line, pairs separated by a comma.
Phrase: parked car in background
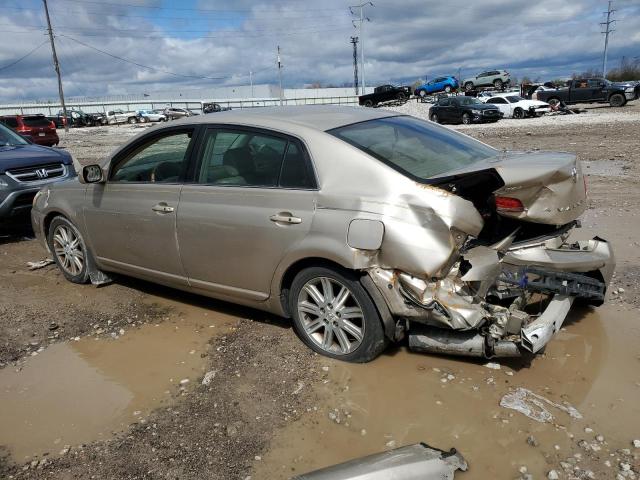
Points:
[[24, 169], [151, 116], [211, 107], [471, 258], [439, 84], [120, 116], [77, 118], [589, 90], [173, 113], [514, 106], [497, 79], [385, 93], [463, 110], [40, 130]]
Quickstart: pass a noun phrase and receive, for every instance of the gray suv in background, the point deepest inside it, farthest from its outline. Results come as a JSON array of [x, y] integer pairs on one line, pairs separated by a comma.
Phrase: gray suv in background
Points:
[[491, 78]]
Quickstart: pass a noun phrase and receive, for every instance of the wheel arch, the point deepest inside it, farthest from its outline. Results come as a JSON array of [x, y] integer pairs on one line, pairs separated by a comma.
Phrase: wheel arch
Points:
[[388, 322]]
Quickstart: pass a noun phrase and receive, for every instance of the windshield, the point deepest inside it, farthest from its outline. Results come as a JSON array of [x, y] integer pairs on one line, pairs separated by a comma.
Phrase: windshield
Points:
[[9, 138], [515, 99], [468, 101], [414, 147]]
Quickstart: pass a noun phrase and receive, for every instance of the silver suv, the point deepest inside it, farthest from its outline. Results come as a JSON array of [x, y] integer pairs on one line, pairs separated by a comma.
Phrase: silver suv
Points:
[[491, 78]]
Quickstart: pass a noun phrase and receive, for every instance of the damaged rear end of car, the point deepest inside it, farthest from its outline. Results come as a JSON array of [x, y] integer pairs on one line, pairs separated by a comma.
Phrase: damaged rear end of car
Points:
[[475, 256]]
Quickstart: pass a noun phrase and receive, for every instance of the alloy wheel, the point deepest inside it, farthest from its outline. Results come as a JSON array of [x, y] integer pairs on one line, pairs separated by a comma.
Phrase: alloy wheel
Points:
[[331, 316], [68, 248]]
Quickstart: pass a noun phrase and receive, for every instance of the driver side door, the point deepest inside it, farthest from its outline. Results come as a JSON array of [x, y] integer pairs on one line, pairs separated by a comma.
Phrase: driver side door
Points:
[[131, 218]]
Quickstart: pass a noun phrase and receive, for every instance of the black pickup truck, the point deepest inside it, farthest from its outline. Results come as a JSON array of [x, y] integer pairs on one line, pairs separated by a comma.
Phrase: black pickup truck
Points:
[[77, 118], [588, 90], [385, 93]]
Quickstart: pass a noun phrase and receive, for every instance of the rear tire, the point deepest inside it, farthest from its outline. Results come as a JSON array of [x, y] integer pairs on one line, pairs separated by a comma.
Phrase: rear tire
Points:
[[422, 93], [447, 89], [617, 100], [498, 84], [554, 102], [69, 250], [334, 315], [468, 86], [132, 120], [368, 103], [401, 97]]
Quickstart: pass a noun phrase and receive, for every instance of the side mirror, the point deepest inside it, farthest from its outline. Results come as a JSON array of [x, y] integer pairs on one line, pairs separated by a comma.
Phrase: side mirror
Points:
[[92, 174], [28, 138]]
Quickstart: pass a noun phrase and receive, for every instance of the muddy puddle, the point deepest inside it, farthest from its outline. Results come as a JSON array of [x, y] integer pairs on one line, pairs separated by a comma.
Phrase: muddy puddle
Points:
[[80, 391], [403, 398]]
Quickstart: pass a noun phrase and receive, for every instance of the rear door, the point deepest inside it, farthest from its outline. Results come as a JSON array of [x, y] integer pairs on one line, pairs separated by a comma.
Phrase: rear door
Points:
[[581, 91], [252, 199], [131, 219]]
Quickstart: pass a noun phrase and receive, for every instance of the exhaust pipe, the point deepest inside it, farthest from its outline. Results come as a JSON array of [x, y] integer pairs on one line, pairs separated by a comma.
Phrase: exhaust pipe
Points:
[[461, 343]]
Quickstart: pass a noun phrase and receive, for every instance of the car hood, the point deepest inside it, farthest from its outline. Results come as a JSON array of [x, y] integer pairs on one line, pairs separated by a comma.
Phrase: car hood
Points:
[[30, 155]]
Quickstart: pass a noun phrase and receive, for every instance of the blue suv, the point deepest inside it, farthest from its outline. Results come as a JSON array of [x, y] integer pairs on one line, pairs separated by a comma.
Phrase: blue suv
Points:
[[439, 84]]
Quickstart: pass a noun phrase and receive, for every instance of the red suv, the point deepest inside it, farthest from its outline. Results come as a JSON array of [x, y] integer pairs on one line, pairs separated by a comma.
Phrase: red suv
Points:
[[41, 130]]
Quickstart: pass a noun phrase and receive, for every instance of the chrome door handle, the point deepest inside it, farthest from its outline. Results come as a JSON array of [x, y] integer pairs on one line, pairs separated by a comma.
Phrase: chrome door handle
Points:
[[285, 217], [162, 208]]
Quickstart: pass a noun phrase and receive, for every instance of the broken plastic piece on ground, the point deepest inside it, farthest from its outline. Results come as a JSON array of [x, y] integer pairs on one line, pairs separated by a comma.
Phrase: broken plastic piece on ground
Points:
[[40, 264], [412, 462], [533, 405]]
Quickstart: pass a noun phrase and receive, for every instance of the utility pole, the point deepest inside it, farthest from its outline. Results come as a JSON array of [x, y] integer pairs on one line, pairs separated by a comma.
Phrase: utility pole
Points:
[[607, 31], [251, 82], [361, 35], [56, 65], [354, 40], [280, 74]]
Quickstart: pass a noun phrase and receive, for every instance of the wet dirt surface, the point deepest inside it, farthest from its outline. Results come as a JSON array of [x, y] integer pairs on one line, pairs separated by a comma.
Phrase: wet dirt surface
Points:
[[273, 409], [79, 391]]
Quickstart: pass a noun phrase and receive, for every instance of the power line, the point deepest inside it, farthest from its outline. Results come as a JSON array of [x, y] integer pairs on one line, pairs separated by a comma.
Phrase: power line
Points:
[[154, 7], [23, 57]]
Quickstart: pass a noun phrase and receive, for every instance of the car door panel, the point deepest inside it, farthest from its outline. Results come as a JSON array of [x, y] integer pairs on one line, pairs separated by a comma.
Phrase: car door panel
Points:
[[229, 242], [131, 219], [236, 223]]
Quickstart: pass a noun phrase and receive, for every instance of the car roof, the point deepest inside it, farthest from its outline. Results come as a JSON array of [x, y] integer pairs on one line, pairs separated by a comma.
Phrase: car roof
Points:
[[317, 117]]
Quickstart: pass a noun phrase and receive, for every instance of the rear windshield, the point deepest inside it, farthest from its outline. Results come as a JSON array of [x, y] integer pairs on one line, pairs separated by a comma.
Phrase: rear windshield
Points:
[[36, 122], [417, 148]]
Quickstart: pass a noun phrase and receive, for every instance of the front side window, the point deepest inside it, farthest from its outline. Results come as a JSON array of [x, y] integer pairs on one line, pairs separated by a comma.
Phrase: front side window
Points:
[[445, 102], [416, 148], [160, 160]]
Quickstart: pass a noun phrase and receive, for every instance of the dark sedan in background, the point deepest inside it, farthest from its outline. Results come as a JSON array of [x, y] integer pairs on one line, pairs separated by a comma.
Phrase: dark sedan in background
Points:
[[24, 169], [463, 110]]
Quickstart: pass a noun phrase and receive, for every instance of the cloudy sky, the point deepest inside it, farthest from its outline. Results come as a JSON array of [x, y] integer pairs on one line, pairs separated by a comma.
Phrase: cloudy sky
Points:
[[136, 46]]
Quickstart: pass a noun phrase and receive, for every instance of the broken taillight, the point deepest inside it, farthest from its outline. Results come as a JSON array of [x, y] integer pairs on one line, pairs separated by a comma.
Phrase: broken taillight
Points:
[[509, 204]]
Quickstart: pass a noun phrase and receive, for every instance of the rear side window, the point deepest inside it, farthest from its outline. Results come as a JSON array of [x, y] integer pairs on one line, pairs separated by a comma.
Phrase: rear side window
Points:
[[414, 147], [253, 159], [11, 122], [36, 122], [296, 171]]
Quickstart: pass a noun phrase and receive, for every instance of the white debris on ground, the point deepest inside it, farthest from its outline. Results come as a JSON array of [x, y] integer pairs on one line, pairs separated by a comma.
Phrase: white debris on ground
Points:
[[534, 406], [492, 365], [591, 116], [208, 377], [40, 264]]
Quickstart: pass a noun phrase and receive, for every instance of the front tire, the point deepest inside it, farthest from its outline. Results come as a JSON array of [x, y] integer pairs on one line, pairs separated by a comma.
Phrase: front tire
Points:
[[466, 119], [447, 89], [518, 113], [617, 100], [468, 86], [497, 84], [334, 315], [132, 120], [422, 93], [69, 250]]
